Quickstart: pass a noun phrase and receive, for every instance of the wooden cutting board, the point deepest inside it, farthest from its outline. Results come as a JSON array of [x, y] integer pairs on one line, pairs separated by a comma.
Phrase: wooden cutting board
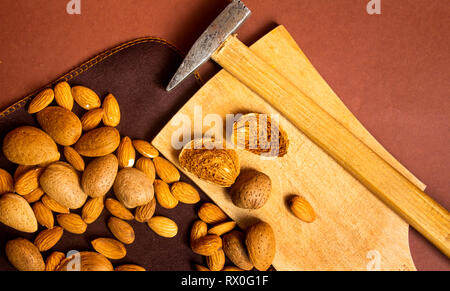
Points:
[[353, 230]]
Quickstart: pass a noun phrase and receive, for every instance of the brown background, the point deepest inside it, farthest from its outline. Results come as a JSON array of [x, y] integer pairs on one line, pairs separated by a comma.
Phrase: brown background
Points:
[[392, 70]]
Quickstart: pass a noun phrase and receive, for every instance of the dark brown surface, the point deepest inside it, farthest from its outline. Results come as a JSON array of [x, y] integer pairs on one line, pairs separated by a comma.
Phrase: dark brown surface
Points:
[[391, 70]]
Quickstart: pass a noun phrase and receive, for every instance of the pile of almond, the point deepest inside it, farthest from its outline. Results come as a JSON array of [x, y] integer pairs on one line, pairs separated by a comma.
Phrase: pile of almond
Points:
[[44, 190]]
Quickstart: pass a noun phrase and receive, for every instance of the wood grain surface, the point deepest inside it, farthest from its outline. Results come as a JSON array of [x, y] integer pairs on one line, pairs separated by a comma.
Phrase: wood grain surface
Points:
[[353, 226]]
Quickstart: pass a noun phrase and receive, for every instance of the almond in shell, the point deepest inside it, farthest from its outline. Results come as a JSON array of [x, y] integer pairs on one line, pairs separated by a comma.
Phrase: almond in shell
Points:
[[91, 119], [99, 175], [145, 148], [28, 181], [207, 245], [24, 255], [146, 165], [53, 261], [302, 209], [235, 249], [6, 182], [110, 248], [126, 153], [16, 213], [211, 214], [63, 95], [85, 97], [164, 195], [145, 212], [185, 193], [118, 210], [28, 145], [48, 238], [163, 226], [43, 215], [133, 188], [98, 142], [88, 262], [53, 205], [61, 124], [121, 230], [74, 158], [130, 268], [166, 170], [92, 209], [111, 117], [251, 190], [261, 246], [72, 222], [41, 101], [216, 261]]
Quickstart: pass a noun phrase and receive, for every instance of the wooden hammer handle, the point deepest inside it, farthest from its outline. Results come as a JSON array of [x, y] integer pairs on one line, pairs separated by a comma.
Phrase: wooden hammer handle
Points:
[[413, 205]]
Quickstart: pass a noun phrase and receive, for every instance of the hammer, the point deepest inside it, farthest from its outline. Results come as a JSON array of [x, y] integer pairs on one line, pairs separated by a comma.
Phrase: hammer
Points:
[[390, 186]]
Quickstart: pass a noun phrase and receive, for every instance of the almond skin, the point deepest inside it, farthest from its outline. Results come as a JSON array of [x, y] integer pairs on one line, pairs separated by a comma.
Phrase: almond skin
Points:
[[222, 228], [24, 255], [61, 124], [251, 190], [21, 169], [302, 209], [126, 153], [211, 214], [111, 116], [145, 148], [99, 176], [41, 101], [129, 268], [89, 261], [207, 245], [53, 261], [235, 249], [16, 213], [163, 226], [34, 196], [43, 215], [185, 193], [6, 182], [146, 165], [216, 261], [121, 230], [98, 142], [48, 238], [201, 268], [85, 97], [53, 205], [91, 119], [28, 181], [63, 95], [133, 188], [110, 248], [92, 209], [199, 229], [165, 170], [74, 158], [28, 145], [72, 223], [145, 212], [260, 242], [118, 210], [231, 269], [163, 195]]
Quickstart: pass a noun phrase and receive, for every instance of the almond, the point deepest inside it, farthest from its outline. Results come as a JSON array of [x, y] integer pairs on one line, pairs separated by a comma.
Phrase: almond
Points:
[[24, 255], [43, 215], [72, 223], [118, 210], [98, 142], [63, 95], [216, 261], [251, 190], [211, 214], [185, 192], [110, 248], [133, 188], [302, 209], [92, 209], [91, 119], [28, 145], [35, 195], [145, 212], [163, 226], [48, 238], [235, 249], [222, 228], [85, 97], [22, 169], [231, 269], [163, 195], [61, 124], [112, 111], [53, 205], [165, 170], [53, 261], [130, 268], [99, 175], [207, 245], [88, 261], [145, 148], [146, 165], [16, 213], [201, 268], [126, 153], [6, 182], [74, 158], [260, 242], [28, 181], [42, 100], [210, 161], [121, 230], [199, 229]]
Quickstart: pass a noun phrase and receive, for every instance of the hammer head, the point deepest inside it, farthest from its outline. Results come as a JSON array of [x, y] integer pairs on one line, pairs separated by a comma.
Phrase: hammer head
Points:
[[222, 27]]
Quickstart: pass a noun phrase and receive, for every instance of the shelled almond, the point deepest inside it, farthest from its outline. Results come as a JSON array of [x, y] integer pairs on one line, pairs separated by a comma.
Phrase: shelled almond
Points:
[[43, 215], [6, 182], [91, 119], [53, 261], [63, 95], [42, 100], [48, 238], [72, 223], [118, 210]]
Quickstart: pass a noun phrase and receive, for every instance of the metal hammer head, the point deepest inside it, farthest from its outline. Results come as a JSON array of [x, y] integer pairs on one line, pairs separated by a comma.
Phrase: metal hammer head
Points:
[[222, 27]]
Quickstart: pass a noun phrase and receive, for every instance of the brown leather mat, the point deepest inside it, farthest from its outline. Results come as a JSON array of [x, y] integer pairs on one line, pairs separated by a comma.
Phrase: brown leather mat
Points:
[[136, 74]]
